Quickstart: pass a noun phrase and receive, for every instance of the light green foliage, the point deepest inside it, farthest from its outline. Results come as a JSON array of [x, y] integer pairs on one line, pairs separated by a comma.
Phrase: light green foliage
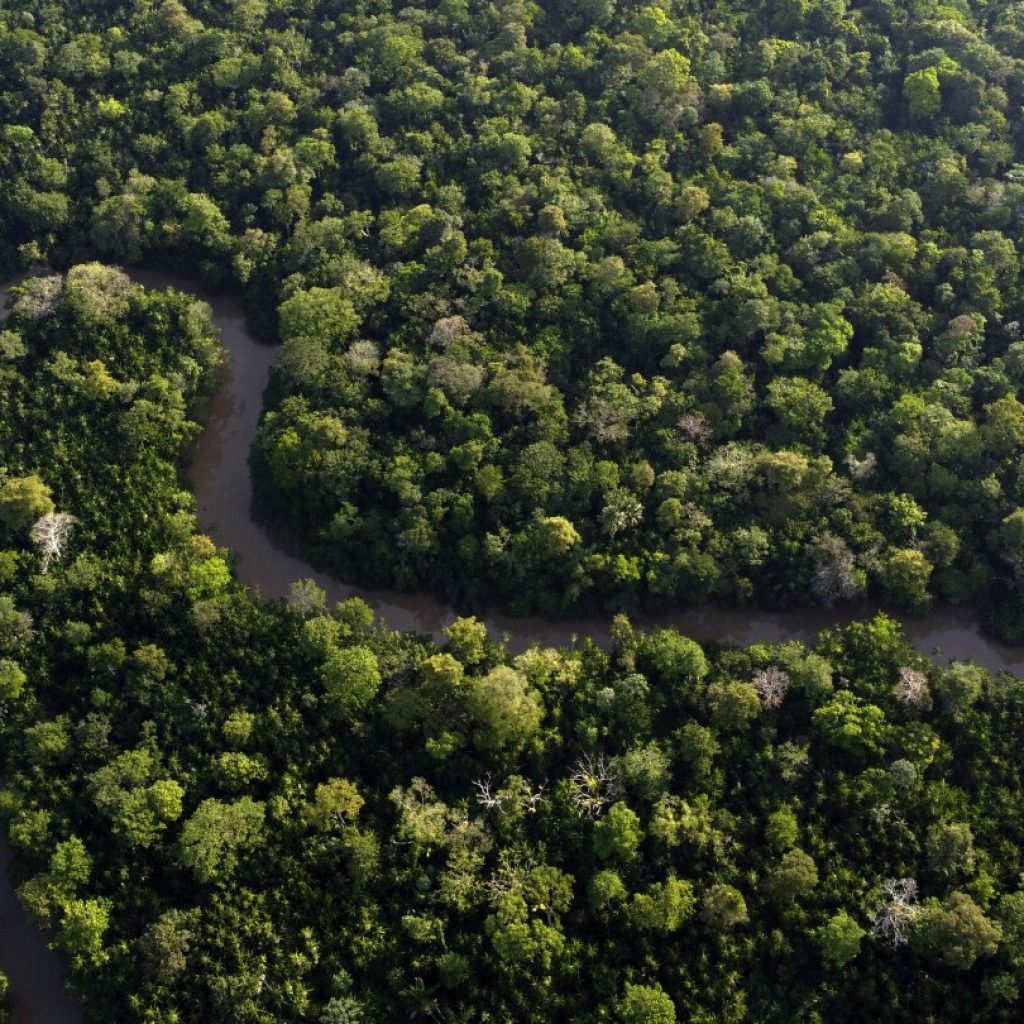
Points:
[[606, 890], [679, 660], [617, 835], [467, 640], [921, 89], [840, 939], [336, 802], [23, 500], [851, 724], [783, 829], [139, 803], [645, 1004], [351, 677], [319, 314], [12, 679], [505, 711], [216, 834], [82, 928]]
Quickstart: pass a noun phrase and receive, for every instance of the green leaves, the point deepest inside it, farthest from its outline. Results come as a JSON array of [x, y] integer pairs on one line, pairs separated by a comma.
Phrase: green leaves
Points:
[[217, 834], [351, 677]]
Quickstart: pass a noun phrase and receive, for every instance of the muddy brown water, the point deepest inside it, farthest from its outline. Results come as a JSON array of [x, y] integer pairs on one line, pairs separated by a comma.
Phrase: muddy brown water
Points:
[[221, 482], [220, 479]]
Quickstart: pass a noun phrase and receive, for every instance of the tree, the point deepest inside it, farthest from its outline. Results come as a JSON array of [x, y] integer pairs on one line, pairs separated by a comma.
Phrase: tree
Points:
[[467, 640], [801, 408], [12, 679], [505, 711], [794, 876], [723, 907], [894, 917], [676, 659], [851, 724], [645, 1004], [319, 314], [24, 500], [82, 928], [165, 944], [336, 802], [665, 906], [912, 688], [921, 89], [596, 782], [840, 939], [772, 685], [955, 931], [351, 677], [606, 891], [138, 802], [950, 847], [97, 294], [960, 687], [783, 829], [216, 834], [904, 576], [733, 704], [307, 597], [617, 835], [50, 534]]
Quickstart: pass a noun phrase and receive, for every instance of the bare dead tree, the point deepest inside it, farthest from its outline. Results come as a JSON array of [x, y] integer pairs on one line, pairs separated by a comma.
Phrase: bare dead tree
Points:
[[894, 917], [533, 797], [510, 875], [912, 688], [517, 791], [50, 534], [306, 597], [861, 469], [484, 797], [596, 782], [692, 426], [772, 685], [835, 577], [447, 330]]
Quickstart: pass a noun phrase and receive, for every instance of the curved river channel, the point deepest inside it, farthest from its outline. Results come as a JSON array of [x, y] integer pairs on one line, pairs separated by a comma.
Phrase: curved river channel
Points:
[[220, 479], [221, 482]]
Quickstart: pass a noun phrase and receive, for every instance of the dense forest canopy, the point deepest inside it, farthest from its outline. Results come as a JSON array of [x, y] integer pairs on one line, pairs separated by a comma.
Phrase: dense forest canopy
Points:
[[601, 303], [581, 303], [232, 810]]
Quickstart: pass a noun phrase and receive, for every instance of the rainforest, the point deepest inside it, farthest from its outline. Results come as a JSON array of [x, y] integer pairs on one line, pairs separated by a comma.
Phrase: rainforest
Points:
[[587, 308]]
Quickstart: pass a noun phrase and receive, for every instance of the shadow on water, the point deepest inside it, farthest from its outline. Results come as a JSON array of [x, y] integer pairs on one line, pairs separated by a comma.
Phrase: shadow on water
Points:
[[38, 976]]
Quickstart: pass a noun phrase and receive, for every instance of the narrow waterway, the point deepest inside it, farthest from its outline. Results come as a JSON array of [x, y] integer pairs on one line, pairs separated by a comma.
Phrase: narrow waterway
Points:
[[222, 485]]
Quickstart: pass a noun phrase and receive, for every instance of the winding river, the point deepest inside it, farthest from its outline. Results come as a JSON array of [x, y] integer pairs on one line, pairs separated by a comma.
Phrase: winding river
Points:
[[221, 482], [222, 485]]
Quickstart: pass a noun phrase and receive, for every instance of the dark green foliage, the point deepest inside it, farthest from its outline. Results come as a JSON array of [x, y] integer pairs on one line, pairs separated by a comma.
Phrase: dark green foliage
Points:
[[603, 303], [231, 810], [598, 305]]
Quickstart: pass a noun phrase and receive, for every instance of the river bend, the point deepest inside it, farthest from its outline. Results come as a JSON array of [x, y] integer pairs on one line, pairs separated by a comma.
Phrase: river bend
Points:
[[221, 481]]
